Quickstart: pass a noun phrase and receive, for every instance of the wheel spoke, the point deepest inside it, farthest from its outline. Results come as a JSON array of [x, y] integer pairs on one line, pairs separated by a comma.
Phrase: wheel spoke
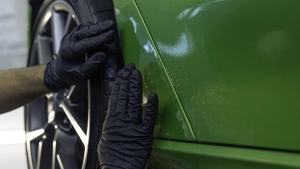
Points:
[[44, 157], [59, 162], [32, 153], [79, 113], [50, 107], [33, 57], [44, 49], [71, 91], [64, 151], [39, 158], [68, 23], [66, 161], [79, 90], [35, 134], [53, 155], [38, 114], [70, 114], [44, 154], [58, 22]]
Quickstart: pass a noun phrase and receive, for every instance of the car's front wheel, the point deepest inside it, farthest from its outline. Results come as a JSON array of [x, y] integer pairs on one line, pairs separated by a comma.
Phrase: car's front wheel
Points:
[[63, 128]]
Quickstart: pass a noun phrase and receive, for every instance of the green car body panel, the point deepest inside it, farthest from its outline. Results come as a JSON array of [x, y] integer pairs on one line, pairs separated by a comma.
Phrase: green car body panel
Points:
[[182, 155], [139, 49], [226, 72]]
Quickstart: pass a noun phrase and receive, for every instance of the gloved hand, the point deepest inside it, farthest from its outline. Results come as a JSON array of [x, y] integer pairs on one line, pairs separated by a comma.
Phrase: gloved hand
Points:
[[126, 141], [70, 67]]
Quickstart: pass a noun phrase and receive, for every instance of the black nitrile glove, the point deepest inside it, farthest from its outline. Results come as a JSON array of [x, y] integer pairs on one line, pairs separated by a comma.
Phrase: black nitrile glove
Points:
[[126, 141], [70, 67]]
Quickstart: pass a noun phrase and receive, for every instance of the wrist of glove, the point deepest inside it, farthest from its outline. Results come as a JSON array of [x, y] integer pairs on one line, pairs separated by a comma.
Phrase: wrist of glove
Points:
[[127, 137], [71, 66]]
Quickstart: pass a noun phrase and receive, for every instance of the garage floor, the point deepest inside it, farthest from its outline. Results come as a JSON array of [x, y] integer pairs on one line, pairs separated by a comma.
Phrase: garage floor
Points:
[[12, 140], [13, 54]]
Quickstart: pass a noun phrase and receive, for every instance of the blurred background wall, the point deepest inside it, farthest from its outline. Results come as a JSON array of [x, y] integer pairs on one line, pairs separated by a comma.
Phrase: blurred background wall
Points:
[[13, 54]]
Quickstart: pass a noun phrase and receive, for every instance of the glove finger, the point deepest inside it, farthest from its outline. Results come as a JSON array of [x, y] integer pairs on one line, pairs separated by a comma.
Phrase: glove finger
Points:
[[94, 29], [114, 97], [92, 64], [81, 26], [124, 89], [151, 112], [90, 44], [135, 97]]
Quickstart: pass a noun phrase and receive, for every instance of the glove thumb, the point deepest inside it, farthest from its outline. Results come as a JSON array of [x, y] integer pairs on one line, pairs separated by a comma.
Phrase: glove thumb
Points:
[[92, 64]]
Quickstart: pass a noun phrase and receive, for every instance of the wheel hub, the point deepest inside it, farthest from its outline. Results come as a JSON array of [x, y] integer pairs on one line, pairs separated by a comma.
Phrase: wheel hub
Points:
[[56, 115]]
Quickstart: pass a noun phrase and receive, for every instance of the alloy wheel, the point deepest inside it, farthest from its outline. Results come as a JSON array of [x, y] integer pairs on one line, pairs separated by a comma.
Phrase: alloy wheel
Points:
[[57, 125]]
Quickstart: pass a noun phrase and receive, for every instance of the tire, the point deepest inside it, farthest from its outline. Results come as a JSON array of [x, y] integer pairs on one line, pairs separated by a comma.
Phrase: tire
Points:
[[99, 90]]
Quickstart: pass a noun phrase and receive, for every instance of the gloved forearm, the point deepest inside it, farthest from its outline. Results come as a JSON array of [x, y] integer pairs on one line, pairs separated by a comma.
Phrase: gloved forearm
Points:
[[21, 86], [71, 66]]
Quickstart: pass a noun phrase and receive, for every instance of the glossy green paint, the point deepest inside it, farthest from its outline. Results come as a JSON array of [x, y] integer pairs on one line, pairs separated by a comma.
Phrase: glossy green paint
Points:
[[234, 65], [180, 155], [138, 49]]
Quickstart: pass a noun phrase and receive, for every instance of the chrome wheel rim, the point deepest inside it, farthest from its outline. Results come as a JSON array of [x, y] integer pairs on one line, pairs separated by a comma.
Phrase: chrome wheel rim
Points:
[[57, 125]]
